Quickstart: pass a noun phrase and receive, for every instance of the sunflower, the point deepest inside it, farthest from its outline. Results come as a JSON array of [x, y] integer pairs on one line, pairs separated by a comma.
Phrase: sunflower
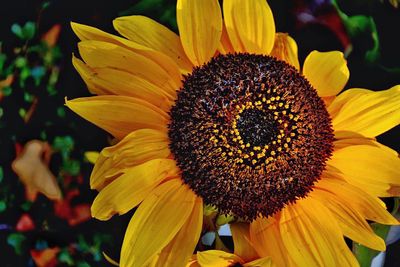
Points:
[[222, 115]]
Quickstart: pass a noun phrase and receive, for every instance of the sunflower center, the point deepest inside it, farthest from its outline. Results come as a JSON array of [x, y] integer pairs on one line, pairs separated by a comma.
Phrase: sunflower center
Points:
[[256, 127], [250, 134]]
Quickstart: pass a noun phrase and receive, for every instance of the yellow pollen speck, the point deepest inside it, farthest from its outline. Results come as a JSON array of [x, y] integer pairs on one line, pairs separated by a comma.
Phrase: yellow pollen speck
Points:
[[245, 156], [251, 153], [248, 145], [273, 153], [292, 134], [286, 145], [254, 161], [230, 153], [279, 149], [288, 139], [280, 104]]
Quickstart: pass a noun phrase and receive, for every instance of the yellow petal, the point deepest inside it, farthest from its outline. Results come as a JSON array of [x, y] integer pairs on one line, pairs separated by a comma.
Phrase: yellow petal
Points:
[[350, 221], [250, 25], [344, 139], [98, 54], [217, 258], [338, 102], [155, 223], [263, 262], [369, 167], [366, 112], [90, 33], [136, 148], [110, 260], [119, 115], [200, 28], [180, 249], [149, 33], [109, 81], [128, 190], [241, 240], [327, 72], [225, 46], [370, 207], [267, 240], [312, 236], [92, 156], [285, 48]]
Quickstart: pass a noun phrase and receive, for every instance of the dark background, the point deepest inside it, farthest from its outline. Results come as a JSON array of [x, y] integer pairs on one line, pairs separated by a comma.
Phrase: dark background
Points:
[[321, 30]]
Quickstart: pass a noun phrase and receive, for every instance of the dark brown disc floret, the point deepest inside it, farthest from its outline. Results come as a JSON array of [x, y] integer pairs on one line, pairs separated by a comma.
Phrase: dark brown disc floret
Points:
[[250, 134]]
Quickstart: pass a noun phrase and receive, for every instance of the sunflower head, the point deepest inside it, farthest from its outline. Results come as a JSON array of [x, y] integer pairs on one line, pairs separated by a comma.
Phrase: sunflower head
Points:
[[249, 133]]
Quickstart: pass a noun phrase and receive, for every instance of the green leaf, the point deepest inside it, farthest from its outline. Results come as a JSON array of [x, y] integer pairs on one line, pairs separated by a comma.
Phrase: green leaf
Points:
[[83, 264], [28, 97], [25, 73], [1, 171], [37, 73], [3, 58], [63, 144], [364, 254], [61, 112], [20, 62], [3, 206], [17, 30], [361, 28], [22, 112], [65, 257], [26, 205], [141, 7], [16, 241], [72, 167], [7, 90], [29, 30]]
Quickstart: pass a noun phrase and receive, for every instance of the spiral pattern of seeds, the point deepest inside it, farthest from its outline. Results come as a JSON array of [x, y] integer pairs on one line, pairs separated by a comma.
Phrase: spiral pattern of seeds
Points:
[[250, 134]]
